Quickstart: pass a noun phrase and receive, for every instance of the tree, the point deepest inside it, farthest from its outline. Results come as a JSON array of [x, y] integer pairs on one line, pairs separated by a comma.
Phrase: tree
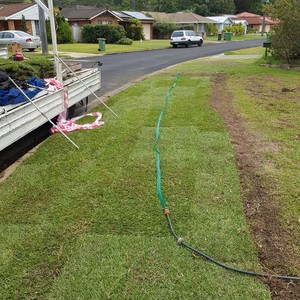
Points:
[[163, 5], [169, 6], [201, 9], [63, 30], [23, 24], [163, 30], [247, 6], [254, 6], [217, 7], [126, 5], [211, 29], [64, 33], [285, 37], [229, 7], [135, 30]]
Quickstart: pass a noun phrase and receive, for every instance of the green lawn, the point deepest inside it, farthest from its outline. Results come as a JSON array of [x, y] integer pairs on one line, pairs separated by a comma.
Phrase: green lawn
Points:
[[112, 48], [87, 223], [236, 38], [249, 51], [136, 46]]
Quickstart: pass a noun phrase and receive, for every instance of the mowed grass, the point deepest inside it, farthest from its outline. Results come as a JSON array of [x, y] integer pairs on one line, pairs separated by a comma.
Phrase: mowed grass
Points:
[[87, 224], [235, 37], [248, 51], [136, 46], [113, 48]]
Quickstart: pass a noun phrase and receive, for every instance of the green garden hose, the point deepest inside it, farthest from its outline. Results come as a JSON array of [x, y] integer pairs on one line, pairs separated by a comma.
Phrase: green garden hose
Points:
[[158, 172], [166, 211]]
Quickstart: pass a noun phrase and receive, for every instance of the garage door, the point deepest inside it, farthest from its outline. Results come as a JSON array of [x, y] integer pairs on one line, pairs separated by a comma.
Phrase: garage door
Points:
[[147, 31]]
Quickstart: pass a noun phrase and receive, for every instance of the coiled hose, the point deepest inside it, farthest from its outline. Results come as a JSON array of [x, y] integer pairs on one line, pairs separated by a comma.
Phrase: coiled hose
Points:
[[166, 211]]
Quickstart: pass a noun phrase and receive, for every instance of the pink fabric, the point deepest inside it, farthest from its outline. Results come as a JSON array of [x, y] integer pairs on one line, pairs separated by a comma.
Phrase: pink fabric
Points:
[[55, 85], [70, 125]]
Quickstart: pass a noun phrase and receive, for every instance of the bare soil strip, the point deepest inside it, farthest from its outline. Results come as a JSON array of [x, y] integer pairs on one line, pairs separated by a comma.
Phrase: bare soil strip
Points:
[[272, 241]]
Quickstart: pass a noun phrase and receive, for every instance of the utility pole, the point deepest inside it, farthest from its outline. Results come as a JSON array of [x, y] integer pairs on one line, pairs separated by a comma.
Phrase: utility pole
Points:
[[43, 33], [263, 25], [264, 18]]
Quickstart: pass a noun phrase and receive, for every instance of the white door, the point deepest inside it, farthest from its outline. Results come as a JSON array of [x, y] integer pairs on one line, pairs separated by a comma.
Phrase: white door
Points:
[[147, 31]]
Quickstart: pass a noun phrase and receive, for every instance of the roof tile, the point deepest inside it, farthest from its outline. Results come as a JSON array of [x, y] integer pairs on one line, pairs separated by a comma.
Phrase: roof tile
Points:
[[10, 9]]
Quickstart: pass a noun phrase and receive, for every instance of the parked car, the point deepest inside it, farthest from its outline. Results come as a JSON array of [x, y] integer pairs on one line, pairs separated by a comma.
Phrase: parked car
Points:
[[186, 38], [27, 41]]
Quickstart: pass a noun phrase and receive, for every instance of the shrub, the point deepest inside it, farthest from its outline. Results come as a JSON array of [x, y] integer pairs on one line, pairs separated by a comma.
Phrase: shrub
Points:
[[238, 29], [285, 36], [115, 33], [135, 30], [63, 30], [125, 41], [251, 30], [88, 33], [112, 33], [163, 30], [211, 29], [186, 27], [228, 28]]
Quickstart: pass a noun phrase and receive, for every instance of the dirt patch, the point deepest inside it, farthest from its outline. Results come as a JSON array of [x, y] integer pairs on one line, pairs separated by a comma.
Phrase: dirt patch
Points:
[[272, 241]]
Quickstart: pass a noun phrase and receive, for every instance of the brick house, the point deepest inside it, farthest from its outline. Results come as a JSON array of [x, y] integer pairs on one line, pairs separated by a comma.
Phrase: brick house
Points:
[[80, 15], [11, 16], [183, 19], [255, 21]]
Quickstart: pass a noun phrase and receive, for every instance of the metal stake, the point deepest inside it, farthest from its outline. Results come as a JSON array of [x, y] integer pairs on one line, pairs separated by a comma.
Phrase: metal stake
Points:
[[87, 86]]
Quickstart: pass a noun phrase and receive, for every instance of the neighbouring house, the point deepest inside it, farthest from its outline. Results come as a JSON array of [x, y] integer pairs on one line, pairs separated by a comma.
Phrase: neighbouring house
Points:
[[238, 21], [221, 22], [244, 24], [256, 21], [80, 15], [11, 16], [147, 22], [183, 19]]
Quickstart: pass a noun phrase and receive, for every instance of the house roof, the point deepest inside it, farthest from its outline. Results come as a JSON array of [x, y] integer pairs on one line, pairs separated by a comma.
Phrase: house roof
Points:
[[7, 10], [231, 16], [137, 15], [180, 18], [220, 19], [246, 15], [81, 12], [253, 19], [122, 15], [239, 21], [188, 17], [160, 16]]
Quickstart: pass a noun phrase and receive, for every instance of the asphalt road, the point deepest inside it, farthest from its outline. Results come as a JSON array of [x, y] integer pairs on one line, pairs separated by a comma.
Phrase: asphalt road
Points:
[[122, 68]]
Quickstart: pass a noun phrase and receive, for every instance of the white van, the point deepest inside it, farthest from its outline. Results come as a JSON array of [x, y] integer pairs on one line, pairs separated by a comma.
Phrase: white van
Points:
[[186, 38]]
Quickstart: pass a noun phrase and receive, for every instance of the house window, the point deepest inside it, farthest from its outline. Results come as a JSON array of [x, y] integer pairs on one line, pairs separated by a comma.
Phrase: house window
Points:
[[105, 22]]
